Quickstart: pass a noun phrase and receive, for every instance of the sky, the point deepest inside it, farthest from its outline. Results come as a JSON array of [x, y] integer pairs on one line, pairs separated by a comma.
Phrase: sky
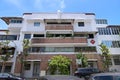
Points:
[[104, 9]]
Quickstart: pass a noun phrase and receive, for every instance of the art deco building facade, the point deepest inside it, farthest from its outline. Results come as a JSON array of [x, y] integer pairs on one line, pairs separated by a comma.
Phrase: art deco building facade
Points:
[[59, 33]]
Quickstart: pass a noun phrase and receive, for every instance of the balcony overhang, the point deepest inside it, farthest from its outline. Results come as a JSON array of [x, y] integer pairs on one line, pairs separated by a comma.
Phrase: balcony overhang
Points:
[[32, 60], [59, 31], [7, 19], [59, 20], [59, 44], [86, 32], [92, 59]]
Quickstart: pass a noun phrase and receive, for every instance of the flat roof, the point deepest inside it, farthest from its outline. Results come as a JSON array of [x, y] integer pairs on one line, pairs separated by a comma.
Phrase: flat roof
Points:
[[7, 19], [56, 13], [113, 26]]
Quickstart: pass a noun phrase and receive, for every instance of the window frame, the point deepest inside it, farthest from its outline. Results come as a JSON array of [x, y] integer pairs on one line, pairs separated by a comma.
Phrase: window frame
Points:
[[27, 66], [81, 24], [27, 36], [36, 24]]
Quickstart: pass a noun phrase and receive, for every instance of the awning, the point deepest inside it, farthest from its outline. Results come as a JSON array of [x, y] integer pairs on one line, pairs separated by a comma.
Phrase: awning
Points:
[[33, 60]]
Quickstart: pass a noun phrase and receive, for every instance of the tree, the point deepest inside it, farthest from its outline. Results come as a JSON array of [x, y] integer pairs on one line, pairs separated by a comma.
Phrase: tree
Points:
[[106, 56], [59, 64], [83, 60], [5, 54], [24, 54]]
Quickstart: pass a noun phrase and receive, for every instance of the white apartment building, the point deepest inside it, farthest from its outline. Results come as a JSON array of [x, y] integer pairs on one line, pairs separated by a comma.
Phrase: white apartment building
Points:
[[110, 36], [59, 33]]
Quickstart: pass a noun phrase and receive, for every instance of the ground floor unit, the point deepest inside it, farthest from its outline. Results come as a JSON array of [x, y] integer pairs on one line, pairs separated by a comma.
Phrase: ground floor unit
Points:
[[37, 64]]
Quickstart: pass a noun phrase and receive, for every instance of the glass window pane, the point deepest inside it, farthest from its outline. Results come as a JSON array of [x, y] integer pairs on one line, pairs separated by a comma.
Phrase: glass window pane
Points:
[[27, 66], [7, 69], [27, 36], [80, 23], [11, 37], [36, 23]]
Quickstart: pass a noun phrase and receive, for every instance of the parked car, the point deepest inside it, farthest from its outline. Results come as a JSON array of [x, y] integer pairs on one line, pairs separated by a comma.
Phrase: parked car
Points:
[[8, 76], [82, 72], [59, 77], [105, 76]]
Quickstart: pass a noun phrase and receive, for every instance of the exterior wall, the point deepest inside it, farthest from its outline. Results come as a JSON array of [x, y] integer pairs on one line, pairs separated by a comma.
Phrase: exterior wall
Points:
[[97, 57], [101, 38], [14, 43], [45, 58], [114, 51], [28, 26], [89, 25]]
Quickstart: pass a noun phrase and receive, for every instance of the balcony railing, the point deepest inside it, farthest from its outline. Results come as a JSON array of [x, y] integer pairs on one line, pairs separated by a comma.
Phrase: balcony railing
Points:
[[15, 25], [59, 27], [60, 40], [8, 37]]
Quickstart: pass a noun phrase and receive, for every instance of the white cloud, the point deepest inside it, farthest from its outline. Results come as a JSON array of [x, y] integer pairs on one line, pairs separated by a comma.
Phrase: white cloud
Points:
[[62, 4], [41, 5], [49, 4]]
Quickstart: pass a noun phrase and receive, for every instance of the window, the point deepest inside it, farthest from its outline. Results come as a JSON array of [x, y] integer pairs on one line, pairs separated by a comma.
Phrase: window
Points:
[[52, 49], [108, 31], [101, 21], [91, 35], [7, 69], [16, 21], [27, 66], [116, 60], [59, 23], [38, 35], [9, 50], [80, 24], [36, 23], [27, 36], [35, 49], [85, 49], [8, 37], [11, 37], [112, 44]]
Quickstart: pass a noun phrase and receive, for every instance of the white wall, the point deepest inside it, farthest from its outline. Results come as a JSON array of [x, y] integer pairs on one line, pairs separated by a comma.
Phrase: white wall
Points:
[[2, 32], [29, 26], [86, 27], [109, 38]]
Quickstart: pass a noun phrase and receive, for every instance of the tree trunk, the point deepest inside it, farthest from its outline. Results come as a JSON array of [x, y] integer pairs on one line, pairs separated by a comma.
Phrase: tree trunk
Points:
[[3, 67]]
